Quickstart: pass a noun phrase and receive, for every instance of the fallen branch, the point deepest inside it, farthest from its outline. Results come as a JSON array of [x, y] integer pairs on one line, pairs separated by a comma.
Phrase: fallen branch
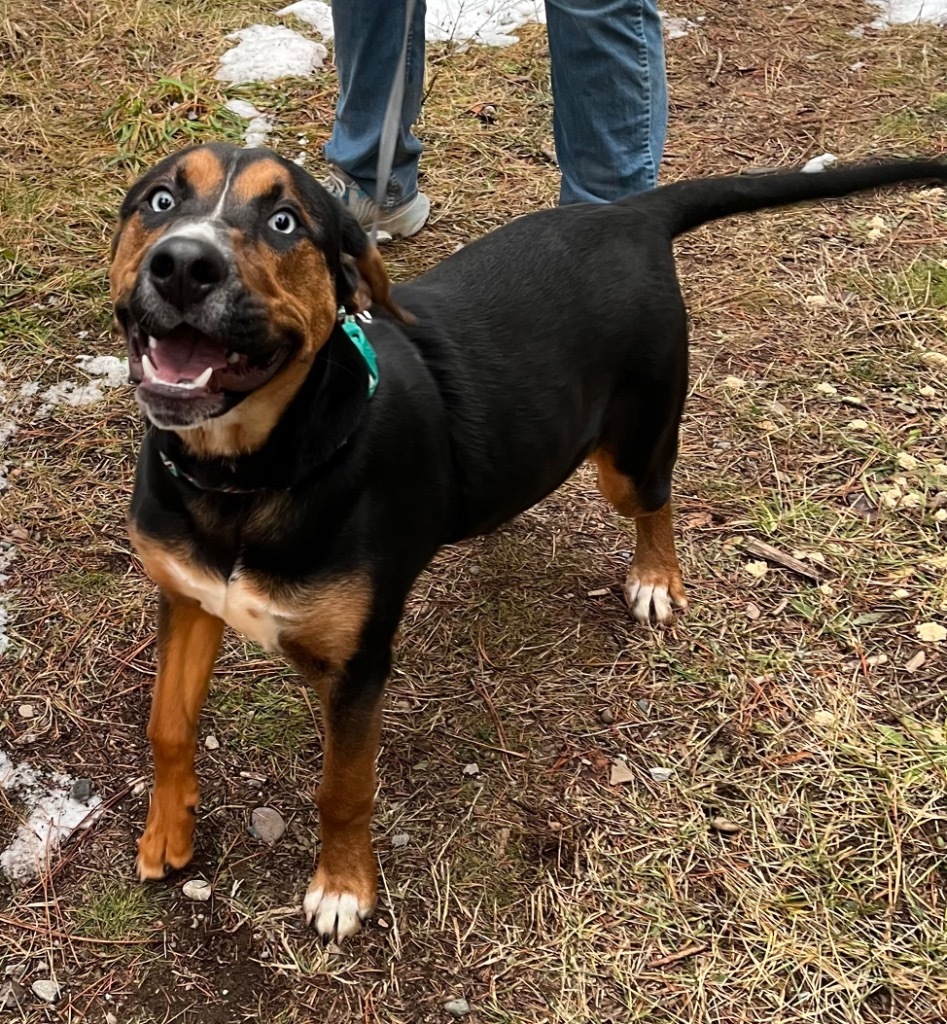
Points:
[[766, 551]]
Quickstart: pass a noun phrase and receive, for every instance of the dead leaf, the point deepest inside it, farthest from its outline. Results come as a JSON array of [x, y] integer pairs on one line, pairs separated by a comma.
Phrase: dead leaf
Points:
[[931, 632], [621, 773]]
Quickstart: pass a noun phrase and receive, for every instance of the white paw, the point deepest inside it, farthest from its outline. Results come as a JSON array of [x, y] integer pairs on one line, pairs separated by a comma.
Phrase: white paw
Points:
[[649, 601], [337, 915]]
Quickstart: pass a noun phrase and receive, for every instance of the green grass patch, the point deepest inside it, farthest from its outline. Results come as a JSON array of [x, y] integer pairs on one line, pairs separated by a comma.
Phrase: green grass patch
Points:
[[121, 910], [269, 713], [167, 115]]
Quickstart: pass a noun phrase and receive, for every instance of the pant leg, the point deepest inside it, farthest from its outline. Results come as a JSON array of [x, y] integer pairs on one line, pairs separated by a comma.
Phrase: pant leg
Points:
[[609, 87], [368, 38]]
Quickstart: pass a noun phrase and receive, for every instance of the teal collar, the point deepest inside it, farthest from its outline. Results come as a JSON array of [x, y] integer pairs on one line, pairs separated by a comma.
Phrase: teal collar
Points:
[[360, 340]]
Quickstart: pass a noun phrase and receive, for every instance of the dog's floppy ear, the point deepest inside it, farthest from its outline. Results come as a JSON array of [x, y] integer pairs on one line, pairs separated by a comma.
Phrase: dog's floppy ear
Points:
[[363, 279]]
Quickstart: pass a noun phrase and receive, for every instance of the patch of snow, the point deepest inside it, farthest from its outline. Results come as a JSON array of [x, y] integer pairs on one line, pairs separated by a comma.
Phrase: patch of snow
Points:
[[110, 371], [6, 557], [260, 124], [907, 12], [53, 815], [676, 28], [819, 163], [314, 13], [488, 22], [265, 53], [114, 371]]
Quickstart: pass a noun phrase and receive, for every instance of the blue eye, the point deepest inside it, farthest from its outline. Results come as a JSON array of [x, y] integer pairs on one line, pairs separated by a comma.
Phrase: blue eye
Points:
[[161, 201], [283, 222]]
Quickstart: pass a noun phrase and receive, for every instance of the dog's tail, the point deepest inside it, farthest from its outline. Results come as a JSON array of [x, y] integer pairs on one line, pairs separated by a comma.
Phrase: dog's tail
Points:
[[686, 205]]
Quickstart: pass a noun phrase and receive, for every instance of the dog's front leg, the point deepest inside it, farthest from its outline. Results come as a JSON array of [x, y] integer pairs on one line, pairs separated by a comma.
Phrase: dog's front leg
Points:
[[342, 892], [188, 641]]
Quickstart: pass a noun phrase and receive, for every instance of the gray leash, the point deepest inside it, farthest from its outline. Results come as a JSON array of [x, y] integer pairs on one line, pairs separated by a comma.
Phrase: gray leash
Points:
[[391, 124]]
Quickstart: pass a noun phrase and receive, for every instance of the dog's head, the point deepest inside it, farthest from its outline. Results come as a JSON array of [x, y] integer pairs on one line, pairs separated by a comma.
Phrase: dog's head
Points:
[[228, 270]]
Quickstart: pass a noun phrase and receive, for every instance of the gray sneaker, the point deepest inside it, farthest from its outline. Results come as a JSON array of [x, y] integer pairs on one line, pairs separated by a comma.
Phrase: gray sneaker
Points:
[[399, 222]]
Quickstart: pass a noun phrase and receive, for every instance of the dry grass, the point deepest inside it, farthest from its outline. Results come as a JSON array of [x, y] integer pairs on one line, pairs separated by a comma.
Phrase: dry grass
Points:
[[536, 889]]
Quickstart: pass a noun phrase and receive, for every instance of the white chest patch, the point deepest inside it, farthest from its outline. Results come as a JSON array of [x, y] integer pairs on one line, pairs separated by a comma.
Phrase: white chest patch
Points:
[[241, 605]]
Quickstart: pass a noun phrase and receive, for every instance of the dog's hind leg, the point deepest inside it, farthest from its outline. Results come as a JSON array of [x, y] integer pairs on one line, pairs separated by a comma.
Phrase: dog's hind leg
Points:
[[635, 461], [654, 585]]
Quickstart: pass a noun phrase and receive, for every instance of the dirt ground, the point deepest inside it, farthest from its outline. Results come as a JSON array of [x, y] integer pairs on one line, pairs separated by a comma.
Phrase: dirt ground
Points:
[[792, 866]]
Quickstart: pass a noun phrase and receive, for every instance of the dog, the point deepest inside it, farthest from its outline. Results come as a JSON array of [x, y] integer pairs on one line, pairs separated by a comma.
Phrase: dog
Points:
[[315, 435]]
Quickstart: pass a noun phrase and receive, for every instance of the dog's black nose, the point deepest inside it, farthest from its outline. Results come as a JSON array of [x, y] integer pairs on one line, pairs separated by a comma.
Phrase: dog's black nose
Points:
[[185, 270]]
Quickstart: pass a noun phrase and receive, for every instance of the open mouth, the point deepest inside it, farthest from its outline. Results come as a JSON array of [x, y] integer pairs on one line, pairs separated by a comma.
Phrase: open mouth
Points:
[[188, 365]]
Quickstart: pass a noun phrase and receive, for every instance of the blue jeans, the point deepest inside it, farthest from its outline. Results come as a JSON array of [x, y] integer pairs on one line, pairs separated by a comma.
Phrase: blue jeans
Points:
[[608, 81]]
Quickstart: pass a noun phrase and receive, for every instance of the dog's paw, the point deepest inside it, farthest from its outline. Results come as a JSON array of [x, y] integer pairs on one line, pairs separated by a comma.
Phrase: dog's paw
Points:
[[336, 907], [167, 842], [654, 596]]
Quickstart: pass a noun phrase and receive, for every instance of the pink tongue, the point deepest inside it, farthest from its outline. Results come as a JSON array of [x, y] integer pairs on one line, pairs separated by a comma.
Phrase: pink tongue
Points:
[[186, 358]]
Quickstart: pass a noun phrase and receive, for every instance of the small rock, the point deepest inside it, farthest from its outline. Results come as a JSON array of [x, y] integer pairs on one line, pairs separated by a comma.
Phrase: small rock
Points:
[[607, 716], [399, 840], [139, 788], [854, 400], [644, 705], [823, 718], [601, 592], [81, 790], [721, 824], [211, 742], [266, 823], [916, 662], [661, 774], [26, 711], [471, 769], [198, 889], [110, 1018], [46, 989], [11, 995], [753, 611], [457, 1007]]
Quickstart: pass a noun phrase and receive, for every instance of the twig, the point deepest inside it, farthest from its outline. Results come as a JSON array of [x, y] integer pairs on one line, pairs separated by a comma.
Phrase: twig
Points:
[[716, 72], [682, 954], [763, 550], [55, 933]]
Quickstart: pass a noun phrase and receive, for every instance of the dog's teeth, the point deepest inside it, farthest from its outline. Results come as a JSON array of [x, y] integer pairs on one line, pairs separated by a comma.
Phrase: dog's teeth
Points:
[[234, 357], [201, 382], [152, 343], [148, 368]]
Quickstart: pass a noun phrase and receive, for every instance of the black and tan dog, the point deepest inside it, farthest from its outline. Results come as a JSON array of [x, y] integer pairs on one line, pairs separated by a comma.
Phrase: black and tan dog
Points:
[[276, 493]]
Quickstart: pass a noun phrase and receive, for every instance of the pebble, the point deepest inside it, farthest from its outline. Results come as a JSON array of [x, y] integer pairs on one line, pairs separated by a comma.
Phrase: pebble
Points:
[[211, 742], [11, 995], [26, 711], [457, 1007], [472, 769], [607, 716], [81, 790], [661, 774], [46, 989], [198, 889], [401, 839], [139, 788], [110, 1018], [721, 824], [266, 823]]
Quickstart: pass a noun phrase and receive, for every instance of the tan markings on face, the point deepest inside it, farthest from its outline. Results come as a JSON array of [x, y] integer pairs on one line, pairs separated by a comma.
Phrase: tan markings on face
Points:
[[259, 178], [130, 247], [298, 292], [204, 173]]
